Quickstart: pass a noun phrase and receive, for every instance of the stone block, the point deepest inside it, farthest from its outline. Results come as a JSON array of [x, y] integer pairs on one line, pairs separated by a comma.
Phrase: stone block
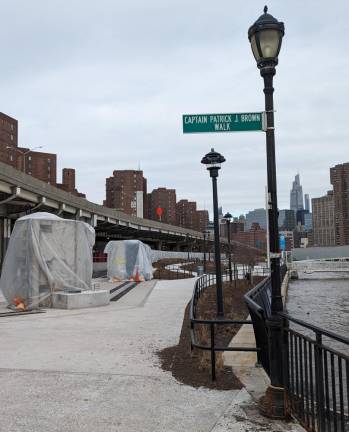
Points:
[[84, 299]]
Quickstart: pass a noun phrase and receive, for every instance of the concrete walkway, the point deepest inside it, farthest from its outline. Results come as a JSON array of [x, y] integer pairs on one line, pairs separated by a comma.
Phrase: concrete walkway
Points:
[[97, 370]]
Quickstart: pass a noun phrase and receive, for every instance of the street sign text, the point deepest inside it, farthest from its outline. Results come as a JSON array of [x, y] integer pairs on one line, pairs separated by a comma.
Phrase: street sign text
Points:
[[238, 122]]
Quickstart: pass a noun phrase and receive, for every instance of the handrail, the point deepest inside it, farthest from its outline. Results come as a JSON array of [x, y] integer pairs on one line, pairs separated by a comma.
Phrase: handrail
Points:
[[316, 329], [201, 284], [315, 373]]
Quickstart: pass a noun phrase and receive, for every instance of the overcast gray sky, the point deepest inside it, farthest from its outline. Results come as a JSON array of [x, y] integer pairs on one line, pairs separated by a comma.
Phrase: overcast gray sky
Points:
[[104, 85]]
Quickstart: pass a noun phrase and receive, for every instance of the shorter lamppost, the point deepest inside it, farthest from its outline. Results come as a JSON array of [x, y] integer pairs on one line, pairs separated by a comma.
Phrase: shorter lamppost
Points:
[[213, 161], [23, 154], [188, 246], [227, 217]]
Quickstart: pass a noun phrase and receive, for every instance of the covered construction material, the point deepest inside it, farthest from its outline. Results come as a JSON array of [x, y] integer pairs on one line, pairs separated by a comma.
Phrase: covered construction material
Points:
[[46, 254], [129, 260]]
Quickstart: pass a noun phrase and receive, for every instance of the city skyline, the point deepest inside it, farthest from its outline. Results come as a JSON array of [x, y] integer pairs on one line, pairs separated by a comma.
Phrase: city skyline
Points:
[[91, 105]]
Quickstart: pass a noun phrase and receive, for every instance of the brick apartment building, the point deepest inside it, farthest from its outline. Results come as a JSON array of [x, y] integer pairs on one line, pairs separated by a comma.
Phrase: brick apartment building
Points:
[[126, 191], [166, 200], [235, 227], [201, 220], [8, 138], [68, 182], [339, 176], [40, 165], [255, 237], [186, 214], [324, 227]]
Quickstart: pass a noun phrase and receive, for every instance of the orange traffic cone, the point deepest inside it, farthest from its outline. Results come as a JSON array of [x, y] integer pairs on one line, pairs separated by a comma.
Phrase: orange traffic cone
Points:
[[137, 278]]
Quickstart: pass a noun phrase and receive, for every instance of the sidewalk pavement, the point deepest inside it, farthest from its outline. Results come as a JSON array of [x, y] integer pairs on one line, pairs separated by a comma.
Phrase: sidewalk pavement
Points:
[[97, 370]]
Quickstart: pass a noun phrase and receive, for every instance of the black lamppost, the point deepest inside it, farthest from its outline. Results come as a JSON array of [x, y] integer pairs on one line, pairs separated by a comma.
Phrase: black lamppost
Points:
[[227, 217], [213, 161], [265, 36], [188, 246]]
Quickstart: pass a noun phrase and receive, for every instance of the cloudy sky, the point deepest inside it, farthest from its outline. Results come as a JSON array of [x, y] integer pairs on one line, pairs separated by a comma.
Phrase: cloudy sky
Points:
[[104, 85]]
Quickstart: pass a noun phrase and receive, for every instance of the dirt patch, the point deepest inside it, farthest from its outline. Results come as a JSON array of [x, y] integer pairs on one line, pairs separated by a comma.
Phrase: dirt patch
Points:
[[162, 273], [194, 367]]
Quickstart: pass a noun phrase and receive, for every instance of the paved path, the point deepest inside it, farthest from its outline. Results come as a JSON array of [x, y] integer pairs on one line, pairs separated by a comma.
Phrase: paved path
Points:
[[97, 370]]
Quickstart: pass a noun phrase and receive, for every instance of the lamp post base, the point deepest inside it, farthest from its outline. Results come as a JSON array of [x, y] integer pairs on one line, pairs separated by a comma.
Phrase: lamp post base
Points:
[[273, 403]]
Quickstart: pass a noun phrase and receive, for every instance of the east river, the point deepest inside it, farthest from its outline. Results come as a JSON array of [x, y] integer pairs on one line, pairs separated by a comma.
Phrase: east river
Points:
[[322, 302]]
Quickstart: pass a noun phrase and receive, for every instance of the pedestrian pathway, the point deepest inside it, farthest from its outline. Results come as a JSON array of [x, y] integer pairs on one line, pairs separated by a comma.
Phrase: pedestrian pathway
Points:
[[98, 370]]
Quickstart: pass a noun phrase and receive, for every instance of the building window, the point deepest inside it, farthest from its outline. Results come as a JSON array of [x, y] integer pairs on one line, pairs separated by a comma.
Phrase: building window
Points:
[[12, 127], [11, 137], [29, 158]]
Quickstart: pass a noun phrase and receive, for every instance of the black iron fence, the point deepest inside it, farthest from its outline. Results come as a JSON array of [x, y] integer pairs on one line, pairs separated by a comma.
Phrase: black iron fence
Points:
[[315, 365], [316, 376], [201, 285]]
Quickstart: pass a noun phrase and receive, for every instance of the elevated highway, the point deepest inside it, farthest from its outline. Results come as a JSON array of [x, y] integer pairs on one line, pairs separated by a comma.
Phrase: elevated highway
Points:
[[21, 194]]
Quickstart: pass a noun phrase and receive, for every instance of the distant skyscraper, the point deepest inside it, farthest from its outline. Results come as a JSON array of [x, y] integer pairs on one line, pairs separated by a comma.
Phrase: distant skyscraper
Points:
[[256, 216], [340, 181], [306, 202], [296, 195], [324, 224]]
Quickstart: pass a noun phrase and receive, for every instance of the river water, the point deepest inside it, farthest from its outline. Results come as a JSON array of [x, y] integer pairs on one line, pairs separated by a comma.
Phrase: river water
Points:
[[321, 301]]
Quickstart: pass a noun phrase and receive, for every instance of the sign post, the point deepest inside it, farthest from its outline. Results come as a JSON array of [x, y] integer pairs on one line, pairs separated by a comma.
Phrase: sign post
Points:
[[236, 122]]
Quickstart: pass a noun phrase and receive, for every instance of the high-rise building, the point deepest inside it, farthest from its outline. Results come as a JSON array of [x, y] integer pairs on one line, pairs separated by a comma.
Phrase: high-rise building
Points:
[[287, 220], [68, 182], [258, 216], [255, 237], [296, 195], [166, 200], [308, 222], [40, 165], [186, 213], [126, 191], [201, 220], [339, 175], [306, 202], [323, 220], [8, 139]]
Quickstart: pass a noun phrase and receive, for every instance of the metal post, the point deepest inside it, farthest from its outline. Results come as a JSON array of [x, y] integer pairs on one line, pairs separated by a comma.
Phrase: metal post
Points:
[[229, 250], [273, 404], [217, 253], [204, 252]]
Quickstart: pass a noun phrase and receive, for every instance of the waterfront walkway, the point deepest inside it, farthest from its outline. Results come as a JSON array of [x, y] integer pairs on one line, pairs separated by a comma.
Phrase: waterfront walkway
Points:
[[97, 370]]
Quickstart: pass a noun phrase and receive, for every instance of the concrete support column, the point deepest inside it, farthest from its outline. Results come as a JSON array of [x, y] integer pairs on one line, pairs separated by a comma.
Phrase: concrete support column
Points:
[[5, 233], [159, 245]]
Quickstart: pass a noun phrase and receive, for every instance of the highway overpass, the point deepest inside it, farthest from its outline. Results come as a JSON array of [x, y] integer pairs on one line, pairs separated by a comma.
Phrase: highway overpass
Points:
[[21, 194]]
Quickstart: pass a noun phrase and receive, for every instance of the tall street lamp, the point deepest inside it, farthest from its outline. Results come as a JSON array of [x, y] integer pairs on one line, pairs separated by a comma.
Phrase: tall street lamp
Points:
[[227, 217], [265, 36], [213, 161]]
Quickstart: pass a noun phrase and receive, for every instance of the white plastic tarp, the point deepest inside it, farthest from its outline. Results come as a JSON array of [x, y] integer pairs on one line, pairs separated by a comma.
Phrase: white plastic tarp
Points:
[[46, 253], [128, 260]]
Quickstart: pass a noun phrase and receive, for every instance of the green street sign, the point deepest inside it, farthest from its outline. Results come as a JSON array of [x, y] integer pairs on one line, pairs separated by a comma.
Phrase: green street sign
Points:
[[238, 122]]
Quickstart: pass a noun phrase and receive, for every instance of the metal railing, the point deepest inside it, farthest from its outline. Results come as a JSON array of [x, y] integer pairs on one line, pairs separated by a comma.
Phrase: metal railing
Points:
[[316, 376], [315, 365], [201, 284]]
